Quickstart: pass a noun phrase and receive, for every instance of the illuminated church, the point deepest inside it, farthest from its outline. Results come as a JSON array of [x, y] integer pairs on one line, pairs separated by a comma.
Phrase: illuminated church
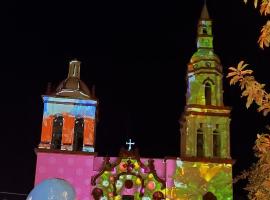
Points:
[[68, 167]]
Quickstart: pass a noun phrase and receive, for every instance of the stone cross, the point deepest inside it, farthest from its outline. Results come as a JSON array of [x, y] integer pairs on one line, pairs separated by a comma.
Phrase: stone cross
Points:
[[129, 143]]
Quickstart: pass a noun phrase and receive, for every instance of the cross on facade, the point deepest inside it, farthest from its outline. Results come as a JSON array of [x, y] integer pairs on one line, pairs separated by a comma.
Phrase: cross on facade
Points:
[[129, 143]]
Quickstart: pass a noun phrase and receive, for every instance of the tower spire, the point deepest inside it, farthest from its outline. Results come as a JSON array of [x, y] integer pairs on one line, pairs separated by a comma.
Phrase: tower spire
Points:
[[205, 13], [205, 125]]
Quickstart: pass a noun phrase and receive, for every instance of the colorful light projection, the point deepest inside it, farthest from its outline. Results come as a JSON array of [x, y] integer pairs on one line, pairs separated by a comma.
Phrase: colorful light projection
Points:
[[196, 93], [192, 180], [210, 126], [54, 188], [128, 177], [70, 110]]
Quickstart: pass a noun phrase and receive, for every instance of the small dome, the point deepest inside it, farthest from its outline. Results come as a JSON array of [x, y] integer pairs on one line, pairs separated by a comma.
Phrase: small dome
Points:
[[72, 86], [57, 189]]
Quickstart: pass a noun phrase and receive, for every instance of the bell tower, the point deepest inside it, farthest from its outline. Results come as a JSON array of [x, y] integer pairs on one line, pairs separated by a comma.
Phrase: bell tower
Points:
[[205, 124], [69, 115]]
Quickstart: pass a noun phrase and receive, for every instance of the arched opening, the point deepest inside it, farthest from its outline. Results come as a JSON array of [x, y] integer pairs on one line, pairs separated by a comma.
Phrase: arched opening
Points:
[[200, 142], [216, 142], [204, 29], [57, 132], [209, 196], [78, 134], [207, 93]]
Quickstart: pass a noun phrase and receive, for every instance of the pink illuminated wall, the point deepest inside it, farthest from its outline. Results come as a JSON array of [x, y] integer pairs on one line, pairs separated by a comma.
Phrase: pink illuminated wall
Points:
[[74, 168], [181, 176], [78, 169]]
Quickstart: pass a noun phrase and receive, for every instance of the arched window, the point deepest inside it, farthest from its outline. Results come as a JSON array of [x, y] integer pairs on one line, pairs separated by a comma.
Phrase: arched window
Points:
[[204, 29], [57, 132], [200, 142], [216, 142], [207, 93], [78, 134]]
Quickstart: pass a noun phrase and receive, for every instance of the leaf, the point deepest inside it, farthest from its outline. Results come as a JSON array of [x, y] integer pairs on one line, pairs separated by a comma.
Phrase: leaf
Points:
[[255, 3], [264, 38], [245, 93], [249, 101], [234, 80], [249, 71], [240, 65], [265, 7], [231, 74], [232, 69]]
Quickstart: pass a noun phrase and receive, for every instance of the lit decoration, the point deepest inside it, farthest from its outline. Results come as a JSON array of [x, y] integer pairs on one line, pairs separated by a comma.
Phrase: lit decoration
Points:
[[146, 198], [105, 183], [138, 181], [128, 177], [119, 184], [151, 185]]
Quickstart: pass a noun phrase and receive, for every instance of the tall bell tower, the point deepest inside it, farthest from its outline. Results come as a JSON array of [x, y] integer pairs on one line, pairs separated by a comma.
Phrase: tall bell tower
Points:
[[69, 115], [205, 124]]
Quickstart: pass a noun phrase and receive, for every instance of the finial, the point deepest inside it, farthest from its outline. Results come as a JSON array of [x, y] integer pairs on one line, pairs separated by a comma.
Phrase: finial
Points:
[[74, 68], [204, 13]]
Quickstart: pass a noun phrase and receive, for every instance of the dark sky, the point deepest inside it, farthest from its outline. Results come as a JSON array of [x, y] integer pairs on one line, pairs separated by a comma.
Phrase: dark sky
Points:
[[135, 53]]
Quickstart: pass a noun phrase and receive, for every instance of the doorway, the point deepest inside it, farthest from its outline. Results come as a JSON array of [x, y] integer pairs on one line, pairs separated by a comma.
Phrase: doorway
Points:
[[127, 197]]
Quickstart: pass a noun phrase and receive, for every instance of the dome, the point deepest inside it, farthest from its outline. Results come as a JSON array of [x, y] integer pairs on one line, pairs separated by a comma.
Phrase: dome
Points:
[[54, 189], [204, 54], [72, 86]]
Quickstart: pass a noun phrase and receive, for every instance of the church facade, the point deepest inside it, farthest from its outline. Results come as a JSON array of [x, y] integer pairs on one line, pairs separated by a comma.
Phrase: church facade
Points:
[[202, 171]]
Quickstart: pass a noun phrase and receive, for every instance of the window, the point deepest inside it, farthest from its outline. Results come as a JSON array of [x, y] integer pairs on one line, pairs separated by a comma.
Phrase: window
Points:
[[207, 93], [57, 132], [200, 142], [209, 196], [216, 142], [78, 134], [208, 64], [204, 29]]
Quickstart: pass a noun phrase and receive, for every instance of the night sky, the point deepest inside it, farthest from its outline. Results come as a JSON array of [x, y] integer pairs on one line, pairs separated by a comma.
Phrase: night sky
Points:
[[136, 55]]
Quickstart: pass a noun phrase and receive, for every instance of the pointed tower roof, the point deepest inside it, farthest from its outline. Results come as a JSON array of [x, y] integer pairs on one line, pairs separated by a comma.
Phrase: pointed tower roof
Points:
[[205, 13]]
